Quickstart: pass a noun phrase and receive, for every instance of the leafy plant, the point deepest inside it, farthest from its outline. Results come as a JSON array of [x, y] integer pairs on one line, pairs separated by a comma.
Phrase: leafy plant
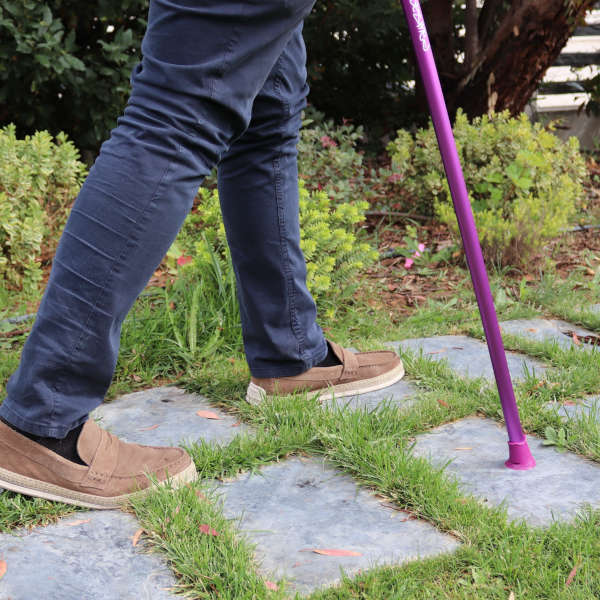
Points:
[[555, 438], [333, 252], [66, 64], [524, 183], [328, 160], [202, 306], [39, 180]]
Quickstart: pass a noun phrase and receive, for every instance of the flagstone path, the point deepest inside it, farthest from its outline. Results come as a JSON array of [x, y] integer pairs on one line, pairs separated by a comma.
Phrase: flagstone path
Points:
[[297, 505]]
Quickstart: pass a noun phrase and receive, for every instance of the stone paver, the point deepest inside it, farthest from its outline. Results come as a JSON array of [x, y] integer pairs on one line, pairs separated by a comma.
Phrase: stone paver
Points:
[[587, 406], [96, 559], [165, 416], [555, 489], [298, 505], [468, 356], [75, 560], [290, 508], [542, 330]]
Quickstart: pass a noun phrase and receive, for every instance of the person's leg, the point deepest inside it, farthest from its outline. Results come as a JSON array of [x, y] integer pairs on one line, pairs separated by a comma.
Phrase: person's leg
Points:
[[192, 94], [258, 190]]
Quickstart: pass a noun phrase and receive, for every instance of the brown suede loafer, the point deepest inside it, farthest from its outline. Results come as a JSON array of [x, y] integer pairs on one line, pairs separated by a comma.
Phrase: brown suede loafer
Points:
[[359, 373], [115, 470]]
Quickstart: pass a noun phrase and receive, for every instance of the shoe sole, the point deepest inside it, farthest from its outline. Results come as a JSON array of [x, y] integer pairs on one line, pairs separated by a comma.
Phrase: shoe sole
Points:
[[255, 394], [41, 489]]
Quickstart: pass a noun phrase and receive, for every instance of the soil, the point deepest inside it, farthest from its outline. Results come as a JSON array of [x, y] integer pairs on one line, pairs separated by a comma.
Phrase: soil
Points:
[[401, 289]]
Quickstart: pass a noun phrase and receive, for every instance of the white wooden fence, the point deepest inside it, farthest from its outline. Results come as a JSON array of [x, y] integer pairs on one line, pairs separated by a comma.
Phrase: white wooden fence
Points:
[[562, 96]]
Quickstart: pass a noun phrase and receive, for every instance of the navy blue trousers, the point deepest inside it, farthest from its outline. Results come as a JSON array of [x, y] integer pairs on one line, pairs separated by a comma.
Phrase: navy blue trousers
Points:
[[219, 83]]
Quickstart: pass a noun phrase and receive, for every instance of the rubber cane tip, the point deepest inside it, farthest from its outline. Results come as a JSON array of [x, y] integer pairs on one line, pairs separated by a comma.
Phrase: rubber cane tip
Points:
[[519, 456]]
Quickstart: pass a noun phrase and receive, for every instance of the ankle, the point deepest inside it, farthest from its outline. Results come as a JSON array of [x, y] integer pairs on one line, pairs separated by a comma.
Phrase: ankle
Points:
[[331, 360], [66, 447]]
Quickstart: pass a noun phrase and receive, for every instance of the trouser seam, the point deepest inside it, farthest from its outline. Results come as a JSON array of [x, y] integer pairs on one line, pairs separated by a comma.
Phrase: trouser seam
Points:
[[295, 325]]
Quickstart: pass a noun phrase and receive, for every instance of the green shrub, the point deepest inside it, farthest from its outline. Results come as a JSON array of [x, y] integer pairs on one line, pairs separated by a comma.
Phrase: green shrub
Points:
[[328, 159], [360, 64], [66, 64], [524, 183], [334, 255], [39, 180]]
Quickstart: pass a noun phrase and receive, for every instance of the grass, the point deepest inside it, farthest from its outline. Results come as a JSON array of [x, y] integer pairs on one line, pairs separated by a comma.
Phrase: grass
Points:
[[496, 557], [22, 511]]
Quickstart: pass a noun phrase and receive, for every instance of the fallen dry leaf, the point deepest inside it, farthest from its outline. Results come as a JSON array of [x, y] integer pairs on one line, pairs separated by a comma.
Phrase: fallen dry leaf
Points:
[[136, 537], [148, 428], [207, 414], [208, 530], [576, 339], [569, 403], [271, 586], [437, 351], [3, 568], [533, 330], [79, 522], [392, 506], [200, 495], [335, 552], [464, 448], [572, 574], [442, 403]]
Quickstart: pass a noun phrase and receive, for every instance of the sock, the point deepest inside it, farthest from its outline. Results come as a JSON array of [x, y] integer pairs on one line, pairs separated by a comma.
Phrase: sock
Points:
[[67, 447], [331, 360]]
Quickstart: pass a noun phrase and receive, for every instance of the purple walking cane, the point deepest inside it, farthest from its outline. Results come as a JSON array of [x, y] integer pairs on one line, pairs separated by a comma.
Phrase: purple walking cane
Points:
[[520, 457]]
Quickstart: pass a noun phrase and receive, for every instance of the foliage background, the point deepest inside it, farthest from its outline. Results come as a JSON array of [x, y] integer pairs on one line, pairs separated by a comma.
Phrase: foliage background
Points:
[[66, 64], [64, 69], [39, 179], [525, 184]]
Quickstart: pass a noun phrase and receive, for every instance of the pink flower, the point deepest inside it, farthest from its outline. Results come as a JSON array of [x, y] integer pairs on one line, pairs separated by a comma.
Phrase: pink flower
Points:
[[421, 247], [409, 262], [327, 142], [184, 260]]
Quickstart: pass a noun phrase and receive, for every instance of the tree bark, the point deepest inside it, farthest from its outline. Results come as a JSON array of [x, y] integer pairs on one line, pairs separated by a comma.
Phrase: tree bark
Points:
[[438, 15], [471, 35], [516, 48]]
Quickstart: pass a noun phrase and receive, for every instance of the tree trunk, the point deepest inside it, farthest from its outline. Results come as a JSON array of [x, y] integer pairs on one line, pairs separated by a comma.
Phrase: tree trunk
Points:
[[516, 48]]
